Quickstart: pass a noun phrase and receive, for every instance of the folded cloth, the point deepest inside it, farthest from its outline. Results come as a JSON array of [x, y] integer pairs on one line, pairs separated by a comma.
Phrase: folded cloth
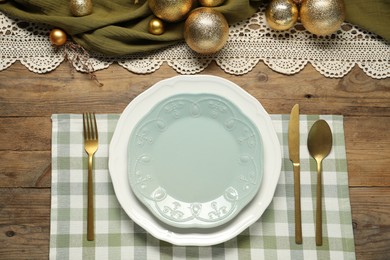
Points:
[[271, 237], [115, 28], [373, 15]]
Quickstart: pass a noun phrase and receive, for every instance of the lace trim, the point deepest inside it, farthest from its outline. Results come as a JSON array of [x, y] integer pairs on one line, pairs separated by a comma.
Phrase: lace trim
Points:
[[250, 42]]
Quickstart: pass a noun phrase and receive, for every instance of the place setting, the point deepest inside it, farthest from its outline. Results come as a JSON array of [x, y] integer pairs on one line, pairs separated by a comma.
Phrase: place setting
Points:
[[194, 129], [194, 166]]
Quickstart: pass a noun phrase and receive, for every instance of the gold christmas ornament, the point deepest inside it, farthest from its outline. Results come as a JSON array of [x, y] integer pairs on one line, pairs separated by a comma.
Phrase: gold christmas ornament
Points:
[[322, 17], [281, 14], [80, 7], [206, 30], [156, 26], [210, 3], [58, 37], [170, 10]]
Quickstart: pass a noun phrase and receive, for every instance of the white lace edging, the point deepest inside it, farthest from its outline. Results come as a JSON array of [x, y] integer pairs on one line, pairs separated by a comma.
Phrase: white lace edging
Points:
[[250, 42]]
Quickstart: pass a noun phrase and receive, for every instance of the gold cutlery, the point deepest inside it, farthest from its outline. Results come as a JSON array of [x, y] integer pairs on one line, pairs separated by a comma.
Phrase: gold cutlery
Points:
[[293, 148], [91, 146], [319, 143]]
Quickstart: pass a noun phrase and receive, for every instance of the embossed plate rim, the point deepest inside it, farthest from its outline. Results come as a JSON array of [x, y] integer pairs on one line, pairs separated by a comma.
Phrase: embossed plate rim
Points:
[[194, 84]]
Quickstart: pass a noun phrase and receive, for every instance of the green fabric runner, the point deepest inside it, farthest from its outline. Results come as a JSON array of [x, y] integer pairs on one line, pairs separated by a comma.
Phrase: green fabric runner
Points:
[[115, 27], [271, 237], [120, 27]]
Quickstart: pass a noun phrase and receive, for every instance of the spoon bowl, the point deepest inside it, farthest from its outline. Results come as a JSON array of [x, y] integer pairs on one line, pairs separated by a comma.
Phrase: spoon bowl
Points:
[[319, 143]]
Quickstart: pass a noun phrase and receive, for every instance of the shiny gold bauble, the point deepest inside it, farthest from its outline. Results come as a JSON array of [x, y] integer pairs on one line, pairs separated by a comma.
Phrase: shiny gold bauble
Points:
[[156, 26], [58, 37], [210, 3], [80, 7], [206, 30], [322, 17], [170, 10], [281, 14]]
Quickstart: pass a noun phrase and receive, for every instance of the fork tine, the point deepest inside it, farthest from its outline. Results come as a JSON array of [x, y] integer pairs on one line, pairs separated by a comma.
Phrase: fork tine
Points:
[[85, 122], [94, 131], [88, 116], [89, 127]]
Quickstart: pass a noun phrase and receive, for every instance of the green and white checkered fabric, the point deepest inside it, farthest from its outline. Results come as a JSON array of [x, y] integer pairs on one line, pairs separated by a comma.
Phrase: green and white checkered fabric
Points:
[[271, 237]]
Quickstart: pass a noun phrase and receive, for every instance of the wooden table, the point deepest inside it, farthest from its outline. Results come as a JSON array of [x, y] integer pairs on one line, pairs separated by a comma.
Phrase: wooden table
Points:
[[27, 100]]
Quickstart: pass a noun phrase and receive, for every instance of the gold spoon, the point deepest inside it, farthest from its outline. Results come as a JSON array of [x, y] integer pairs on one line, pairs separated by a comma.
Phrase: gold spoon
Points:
[[319, 143]]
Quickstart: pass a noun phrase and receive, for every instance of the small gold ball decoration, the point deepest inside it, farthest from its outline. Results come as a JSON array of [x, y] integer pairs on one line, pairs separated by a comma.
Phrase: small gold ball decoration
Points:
[[322, 17], [80, 7], [210, 3], [206, 30], [170, 10], [156, 26], [58, 37], [281, 14]]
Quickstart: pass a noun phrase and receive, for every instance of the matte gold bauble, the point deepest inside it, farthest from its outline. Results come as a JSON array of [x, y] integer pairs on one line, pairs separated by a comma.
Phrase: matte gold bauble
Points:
[[206, 30], [80, 7], [281, 14], [58, 37], [170, 10], [210, 3], [322, 17], [156, 26]]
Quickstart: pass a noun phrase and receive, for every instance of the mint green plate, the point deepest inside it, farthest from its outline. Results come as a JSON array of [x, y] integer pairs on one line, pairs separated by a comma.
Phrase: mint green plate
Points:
[[195, 160]]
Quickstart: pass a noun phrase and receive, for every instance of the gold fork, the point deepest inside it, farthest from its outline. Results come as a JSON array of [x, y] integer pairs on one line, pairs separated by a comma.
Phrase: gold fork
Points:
[[91, 146]]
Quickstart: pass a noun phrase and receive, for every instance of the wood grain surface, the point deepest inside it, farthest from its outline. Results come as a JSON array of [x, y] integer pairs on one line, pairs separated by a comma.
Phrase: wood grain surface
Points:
[[27, 101]]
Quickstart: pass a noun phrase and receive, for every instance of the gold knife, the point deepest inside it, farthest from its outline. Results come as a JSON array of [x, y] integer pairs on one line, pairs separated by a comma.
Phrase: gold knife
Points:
[[293, 149]]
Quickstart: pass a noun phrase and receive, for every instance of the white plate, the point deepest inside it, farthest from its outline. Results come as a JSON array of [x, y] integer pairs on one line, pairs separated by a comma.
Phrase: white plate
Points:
[[195, 160], [197, 84]]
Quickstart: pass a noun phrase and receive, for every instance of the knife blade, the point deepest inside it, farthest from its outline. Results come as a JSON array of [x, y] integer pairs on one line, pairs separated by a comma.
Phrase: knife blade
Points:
[[293, 149]]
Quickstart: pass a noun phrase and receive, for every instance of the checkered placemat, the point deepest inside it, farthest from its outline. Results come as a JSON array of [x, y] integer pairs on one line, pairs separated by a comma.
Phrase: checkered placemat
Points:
[[271, 237]]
